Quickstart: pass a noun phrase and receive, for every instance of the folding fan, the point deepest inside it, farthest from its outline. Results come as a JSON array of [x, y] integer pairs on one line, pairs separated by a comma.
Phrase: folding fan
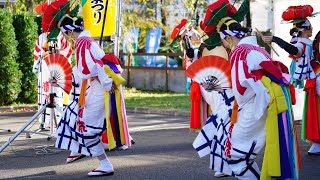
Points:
[[52, 14], [60, 70], [211, 72]]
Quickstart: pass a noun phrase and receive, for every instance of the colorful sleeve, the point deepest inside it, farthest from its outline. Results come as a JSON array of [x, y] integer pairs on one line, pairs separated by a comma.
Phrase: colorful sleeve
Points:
[[291, 49], [261, 61], [86, 62], [89, 62], [245, 81]]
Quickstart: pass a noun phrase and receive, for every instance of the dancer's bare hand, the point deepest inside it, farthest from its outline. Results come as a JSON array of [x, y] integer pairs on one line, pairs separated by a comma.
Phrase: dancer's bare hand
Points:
[[113, 88], [53, 82], [267, 39]]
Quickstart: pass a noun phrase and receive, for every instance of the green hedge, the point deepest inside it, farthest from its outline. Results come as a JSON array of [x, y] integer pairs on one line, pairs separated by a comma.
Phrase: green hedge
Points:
[[38, 20], [10, 83], [26, 35]]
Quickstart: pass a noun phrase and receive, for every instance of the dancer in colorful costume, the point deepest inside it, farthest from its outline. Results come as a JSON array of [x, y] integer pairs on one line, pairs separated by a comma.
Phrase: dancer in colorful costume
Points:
[[117, 134], [84, 120], [44, 88], [191, 40], [304, 67], [81, 134], [219, 102], [213, 136], [261, 114]]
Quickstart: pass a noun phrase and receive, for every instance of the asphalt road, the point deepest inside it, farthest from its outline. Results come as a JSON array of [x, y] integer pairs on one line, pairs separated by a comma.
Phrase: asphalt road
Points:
[[163, 150]]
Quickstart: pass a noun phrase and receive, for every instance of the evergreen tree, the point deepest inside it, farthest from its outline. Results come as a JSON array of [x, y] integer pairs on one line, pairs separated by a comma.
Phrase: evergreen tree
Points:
[[26, 35], [38, 20], [10, 83]]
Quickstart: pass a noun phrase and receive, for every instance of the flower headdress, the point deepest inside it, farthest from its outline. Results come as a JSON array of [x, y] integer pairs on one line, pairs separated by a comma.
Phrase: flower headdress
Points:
[[298, 14], [179, 29], [218, 13], [55, 13]]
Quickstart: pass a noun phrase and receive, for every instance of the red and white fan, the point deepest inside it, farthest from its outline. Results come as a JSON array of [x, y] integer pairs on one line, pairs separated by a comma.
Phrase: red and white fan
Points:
[[211, 72], [60, 70]]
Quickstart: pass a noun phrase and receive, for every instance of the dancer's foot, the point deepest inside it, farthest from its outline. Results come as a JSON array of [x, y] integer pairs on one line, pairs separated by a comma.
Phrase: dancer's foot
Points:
[[132, 141], [124, 147], [314, 149], [219, 174], [105, 146], [102, 171], [74, 157]]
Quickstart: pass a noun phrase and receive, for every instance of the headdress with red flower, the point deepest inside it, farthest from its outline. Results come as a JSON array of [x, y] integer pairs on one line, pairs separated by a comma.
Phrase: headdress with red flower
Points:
[[296, 14], [215, 13], [54, 13], [178, 30]]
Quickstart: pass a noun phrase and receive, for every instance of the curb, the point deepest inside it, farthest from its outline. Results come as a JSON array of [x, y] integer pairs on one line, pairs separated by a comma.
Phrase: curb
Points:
[[18, 108], [158, 111], [129, 109], [182, 113]]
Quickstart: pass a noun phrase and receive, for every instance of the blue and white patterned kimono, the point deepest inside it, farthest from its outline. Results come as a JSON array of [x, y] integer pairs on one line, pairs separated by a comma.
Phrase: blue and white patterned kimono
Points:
[[212, 138], [303, 69]]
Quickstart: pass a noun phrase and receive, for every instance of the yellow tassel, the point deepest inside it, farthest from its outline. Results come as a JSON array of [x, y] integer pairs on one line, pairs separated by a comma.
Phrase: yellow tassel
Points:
[[83, 92], [234, 114], [117, 78]]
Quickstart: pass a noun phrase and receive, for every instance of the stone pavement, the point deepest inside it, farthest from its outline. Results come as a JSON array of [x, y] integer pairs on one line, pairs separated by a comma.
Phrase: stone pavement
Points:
[[163, 150]]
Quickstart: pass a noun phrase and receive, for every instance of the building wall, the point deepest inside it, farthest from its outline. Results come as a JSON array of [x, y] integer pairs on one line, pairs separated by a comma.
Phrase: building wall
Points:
[[261, 14], [149, 79]]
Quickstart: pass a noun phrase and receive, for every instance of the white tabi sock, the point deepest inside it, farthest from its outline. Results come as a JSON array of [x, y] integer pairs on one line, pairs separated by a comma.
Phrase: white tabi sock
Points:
[[74, 154], [105, 165], [315, 148]]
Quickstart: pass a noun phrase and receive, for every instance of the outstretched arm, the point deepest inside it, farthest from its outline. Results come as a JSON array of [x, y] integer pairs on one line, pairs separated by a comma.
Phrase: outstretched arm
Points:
[[291, 49]]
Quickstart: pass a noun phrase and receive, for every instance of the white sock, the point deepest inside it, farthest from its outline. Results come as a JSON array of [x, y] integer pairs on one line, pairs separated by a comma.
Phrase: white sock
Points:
[[105, 164], [315, 148], [74, 154]]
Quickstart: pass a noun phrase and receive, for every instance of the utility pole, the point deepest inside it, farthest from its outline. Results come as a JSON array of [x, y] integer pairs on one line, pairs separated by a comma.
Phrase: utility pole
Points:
[[118, 28], [271, 13]]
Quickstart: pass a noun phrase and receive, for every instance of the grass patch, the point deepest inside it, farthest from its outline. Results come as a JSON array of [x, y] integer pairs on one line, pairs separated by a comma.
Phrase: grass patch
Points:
[[149, 99], [156, 99]]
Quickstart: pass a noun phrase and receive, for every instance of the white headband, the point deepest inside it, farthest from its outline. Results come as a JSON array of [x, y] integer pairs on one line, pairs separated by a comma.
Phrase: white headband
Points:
[[305, 25], [225, 33], [70, 27]]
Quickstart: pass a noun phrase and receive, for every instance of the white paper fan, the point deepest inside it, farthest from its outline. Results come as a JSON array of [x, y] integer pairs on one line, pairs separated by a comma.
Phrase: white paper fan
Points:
[[211, 72], [60, 70]]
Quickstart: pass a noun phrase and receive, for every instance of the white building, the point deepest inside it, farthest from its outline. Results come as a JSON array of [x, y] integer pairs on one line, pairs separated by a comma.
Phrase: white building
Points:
[[3, 3]]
